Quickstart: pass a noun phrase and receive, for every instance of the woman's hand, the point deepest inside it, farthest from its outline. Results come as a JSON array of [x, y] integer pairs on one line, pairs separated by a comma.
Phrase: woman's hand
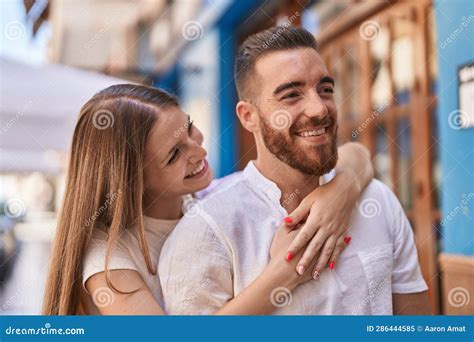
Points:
[[260, 296], [286, 270], [330, 206], [325, 229]]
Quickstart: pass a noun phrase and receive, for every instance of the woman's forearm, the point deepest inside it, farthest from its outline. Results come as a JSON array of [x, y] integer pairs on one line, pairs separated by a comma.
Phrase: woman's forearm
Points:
[[328, 209], [355, 164]]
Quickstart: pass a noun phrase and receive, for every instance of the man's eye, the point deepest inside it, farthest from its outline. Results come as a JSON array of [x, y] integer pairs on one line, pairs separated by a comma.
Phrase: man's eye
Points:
[[190, 126], [328, 90], [291, 95], [174, 156]]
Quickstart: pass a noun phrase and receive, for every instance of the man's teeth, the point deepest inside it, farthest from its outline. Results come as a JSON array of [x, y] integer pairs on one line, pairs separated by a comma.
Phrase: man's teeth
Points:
[[199, 169], [313, 133]]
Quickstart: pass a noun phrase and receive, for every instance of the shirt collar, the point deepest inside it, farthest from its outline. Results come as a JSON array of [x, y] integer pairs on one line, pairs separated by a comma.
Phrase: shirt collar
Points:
[[260, 183], [268, 188]]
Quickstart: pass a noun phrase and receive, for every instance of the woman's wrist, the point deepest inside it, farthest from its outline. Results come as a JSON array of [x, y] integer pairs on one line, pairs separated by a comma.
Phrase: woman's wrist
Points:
[[281, 273], [348, 180], [354, 165]]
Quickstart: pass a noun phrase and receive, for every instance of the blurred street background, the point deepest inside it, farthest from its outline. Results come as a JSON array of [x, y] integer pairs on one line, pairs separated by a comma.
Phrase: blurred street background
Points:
[[404, 74]]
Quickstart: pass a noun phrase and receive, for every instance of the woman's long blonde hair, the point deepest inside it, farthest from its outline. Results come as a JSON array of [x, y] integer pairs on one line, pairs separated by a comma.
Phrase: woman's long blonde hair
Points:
[[104, 186]]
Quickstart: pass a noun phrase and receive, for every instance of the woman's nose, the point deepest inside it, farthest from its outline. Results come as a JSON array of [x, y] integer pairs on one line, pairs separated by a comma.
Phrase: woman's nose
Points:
[[197, 156], [196, 152]]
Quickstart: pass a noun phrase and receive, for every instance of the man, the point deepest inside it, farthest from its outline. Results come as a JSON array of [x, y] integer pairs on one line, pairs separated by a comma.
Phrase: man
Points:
[[286, 101]]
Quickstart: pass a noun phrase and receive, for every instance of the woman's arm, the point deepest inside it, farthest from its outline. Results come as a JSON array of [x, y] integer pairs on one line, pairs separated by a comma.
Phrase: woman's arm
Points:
[[110, 302], [354, 162], [272, 289], [269, 291], [330, 207]]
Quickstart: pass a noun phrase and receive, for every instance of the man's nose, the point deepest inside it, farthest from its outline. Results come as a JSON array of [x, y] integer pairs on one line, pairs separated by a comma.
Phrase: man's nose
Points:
[[315, 106]]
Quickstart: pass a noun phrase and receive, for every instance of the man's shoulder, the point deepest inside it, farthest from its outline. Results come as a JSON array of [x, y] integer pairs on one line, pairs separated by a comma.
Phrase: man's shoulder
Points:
[[379, 201], [219, 183], [227, 197], [224, 186], [379, 191], [216, 210]]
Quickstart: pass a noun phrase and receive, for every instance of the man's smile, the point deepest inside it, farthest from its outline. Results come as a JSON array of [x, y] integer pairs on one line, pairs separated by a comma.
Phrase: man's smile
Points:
[[312, 133]]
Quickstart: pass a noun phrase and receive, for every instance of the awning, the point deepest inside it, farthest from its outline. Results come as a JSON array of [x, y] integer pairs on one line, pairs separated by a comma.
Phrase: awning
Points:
[[38, 109]]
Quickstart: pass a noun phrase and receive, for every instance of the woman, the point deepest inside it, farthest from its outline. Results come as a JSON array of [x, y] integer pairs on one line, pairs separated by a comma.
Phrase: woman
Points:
[[125, 193]]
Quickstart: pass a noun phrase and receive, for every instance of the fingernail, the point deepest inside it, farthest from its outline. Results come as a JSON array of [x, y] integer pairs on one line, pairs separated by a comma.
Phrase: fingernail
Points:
[[300, 269], [289, 256], [331, 265], [347, 239], [316, 275], [288, 219]]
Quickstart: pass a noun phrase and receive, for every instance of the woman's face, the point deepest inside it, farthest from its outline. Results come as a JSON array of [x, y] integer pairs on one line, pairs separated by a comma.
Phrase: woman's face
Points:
[[175, 162]]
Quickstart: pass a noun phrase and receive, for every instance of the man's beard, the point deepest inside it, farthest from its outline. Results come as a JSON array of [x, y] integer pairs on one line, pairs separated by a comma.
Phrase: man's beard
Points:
[[285, 147]]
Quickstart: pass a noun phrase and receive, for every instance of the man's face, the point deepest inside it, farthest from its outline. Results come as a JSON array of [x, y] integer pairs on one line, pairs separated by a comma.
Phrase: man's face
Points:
[[298, 116]]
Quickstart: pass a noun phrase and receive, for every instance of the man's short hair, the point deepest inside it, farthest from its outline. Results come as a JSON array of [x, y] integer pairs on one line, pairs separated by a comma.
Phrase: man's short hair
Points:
[[276, 38]]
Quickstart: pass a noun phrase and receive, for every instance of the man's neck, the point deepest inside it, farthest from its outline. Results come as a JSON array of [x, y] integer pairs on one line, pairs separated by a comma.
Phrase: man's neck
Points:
[[293, 184]]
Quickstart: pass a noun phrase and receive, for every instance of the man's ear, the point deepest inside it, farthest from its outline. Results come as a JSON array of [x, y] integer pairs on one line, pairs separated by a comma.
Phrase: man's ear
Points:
[[247, 114]]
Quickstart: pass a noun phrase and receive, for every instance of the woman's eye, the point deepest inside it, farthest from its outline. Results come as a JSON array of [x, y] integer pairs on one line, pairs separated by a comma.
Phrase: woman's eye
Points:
[[174, 156], [290, 96]]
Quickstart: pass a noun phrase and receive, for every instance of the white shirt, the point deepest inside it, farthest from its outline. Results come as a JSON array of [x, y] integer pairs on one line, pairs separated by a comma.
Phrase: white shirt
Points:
[[214, 253], [127, 254]]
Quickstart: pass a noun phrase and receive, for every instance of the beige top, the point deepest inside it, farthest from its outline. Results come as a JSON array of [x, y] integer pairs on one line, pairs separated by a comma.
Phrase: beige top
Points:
[[126, 255]]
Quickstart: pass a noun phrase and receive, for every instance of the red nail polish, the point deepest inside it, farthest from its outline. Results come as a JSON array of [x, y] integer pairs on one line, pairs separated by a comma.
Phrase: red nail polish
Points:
[[289, 256], [288, 219], [331, 265], [347, 239]]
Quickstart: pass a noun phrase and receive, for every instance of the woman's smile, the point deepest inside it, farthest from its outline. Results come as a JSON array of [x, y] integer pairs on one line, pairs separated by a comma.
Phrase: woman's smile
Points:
[[199, 171]]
